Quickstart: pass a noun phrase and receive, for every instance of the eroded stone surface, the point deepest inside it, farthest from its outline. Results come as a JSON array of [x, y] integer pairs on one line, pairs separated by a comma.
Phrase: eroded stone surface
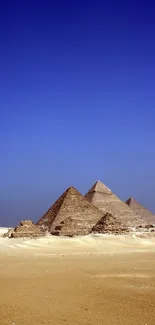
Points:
[[26, 228]]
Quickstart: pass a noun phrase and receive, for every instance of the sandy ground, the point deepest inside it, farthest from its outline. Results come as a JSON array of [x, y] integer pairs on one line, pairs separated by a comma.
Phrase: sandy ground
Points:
[[3, 231], [102, 280]]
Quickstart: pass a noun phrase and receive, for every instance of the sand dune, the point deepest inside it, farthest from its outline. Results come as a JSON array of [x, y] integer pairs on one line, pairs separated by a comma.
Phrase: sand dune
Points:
[[103, 280], [91, 244], [3, 230]]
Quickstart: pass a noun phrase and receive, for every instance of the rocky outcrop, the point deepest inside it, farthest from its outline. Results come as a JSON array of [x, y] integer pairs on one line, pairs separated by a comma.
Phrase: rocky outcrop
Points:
[[109, 224], [147, 228], [25, 228], [70, 215]]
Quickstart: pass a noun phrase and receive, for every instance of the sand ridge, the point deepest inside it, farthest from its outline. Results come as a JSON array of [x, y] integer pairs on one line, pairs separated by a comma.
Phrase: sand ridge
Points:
[[91, 244]]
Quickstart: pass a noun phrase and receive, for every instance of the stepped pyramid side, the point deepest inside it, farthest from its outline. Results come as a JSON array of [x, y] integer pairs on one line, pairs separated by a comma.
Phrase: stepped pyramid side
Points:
[[49, 216], [26, 228], [109, 202], [76, 216], [141, 210]]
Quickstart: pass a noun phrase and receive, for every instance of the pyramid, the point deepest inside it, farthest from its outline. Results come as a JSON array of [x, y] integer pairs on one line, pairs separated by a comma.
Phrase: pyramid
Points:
[[70, 215], [49, 216], [109, 224], [26, 228], [141, 210], [103, 198]]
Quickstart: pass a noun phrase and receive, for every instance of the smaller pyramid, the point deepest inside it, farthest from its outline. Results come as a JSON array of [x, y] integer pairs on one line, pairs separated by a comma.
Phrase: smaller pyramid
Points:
[[70, 215], [109, 224], [26, 228], [141, 210]]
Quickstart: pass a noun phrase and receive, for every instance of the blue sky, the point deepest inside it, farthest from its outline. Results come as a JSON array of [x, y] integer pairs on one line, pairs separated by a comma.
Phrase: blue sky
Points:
[[77, 102]]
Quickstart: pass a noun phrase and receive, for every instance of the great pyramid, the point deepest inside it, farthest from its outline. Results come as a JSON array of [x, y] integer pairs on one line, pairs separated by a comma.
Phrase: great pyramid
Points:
[[103, 198], [141, 210], [70, 215]]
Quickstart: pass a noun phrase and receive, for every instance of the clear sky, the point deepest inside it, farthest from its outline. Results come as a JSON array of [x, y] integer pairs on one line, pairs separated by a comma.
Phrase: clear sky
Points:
[[77, 102]]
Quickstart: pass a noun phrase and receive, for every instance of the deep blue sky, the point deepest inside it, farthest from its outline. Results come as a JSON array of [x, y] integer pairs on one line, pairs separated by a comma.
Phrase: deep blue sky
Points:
[[77, 102]]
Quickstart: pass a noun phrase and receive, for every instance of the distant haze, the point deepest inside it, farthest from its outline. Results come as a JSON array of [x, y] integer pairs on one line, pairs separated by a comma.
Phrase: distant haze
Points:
[[77, 102]]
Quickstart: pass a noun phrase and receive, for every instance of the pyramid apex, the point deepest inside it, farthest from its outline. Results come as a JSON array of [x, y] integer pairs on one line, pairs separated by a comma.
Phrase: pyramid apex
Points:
[[130, 200], [71, 189], [100, 187]]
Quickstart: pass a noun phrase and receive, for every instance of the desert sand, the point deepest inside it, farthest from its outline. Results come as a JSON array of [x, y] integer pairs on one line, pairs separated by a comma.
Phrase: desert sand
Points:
[[92, 280]]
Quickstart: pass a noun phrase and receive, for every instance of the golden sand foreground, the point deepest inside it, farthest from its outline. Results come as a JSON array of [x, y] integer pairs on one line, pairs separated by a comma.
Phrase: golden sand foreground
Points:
[[88, 280]]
